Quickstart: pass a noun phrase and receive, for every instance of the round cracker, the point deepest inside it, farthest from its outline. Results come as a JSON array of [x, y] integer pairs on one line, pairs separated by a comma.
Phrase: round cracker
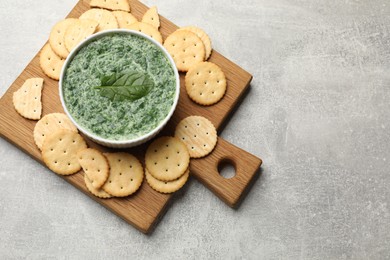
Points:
[[59, 151], [186, 49], [78, 31], [205, 83], [124, 19], [146, 29], [199, 135], [105, 18], [49, 124], [97, 192], [56, 38], [151, 17], [166, 186], [50, 62], [111, 4], [95, 166], [203, 36], [27, 99], [167, 158], [126, 174]]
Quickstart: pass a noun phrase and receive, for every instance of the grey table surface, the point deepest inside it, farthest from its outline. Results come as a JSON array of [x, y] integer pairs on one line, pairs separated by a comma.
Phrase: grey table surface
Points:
[[317, 113]]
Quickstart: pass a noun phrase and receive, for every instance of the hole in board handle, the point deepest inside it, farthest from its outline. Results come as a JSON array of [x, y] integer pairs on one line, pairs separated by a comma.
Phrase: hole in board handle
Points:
[[227, 168]]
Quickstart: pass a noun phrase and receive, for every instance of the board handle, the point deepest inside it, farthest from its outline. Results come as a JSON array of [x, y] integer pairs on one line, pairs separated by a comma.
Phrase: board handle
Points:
[[231, 190]]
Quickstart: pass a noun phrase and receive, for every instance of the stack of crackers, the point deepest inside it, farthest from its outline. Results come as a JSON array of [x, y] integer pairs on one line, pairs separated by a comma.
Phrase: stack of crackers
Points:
[[167, 158]]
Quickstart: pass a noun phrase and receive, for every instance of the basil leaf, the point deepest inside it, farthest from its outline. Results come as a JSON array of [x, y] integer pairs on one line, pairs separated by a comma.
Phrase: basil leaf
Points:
[[128, 85]]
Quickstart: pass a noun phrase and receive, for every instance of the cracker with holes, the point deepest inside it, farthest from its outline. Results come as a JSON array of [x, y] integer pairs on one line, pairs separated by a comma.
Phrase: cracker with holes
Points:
[[105, 19], [56, 38], [111, 4], [124, 19], [203, 36], [205, 83], [100, 193], [59, 151], [167, 158], [95, 166], [186, 49], [126, 174], [50, 62], [78, 31], [146, 29], [199, 135], [27, 99], [49, 124], [166, 186], [151, 17]]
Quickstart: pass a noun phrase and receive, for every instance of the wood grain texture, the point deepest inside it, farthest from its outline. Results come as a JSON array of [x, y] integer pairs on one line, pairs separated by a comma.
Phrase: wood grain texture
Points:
[[146, 206]]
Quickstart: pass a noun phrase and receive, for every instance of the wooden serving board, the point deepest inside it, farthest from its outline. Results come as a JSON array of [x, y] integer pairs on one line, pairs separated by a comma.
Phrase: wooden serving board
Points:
[[146, 206]]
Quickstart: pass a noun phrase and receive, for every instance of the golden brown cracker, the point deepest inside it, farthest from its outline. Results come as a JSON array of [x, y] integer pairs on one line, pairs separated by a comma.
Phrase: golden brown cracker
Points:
[[50, 62], [186, 49], [95, 166], [203, 36], [146, 29], [151, 17], [199, 135], [166, 186], [59, 151], [111, 4], [167, 158], [97, 192], [56, 38], [78, 31], [124, 19], [205, 83], [49, 124], [27, 99], [126, 174], [105, 19]]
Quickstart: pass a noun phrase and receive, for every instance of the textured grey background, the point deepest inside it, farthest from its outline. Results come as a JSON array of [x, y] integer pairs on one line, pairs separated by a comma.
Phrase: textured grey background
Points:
[[317, 113]]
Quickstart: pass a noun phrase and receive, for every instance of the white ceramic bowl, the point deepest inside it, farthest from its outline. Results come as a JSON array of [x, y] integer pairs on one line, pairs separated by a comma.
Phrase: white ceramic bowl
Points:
[[122, 143]]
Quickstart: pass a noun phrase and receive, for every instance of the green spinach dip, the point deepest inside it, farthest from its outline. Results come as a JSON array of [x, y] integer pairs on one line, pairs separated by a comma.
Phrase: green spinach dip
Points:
[[118, 120]]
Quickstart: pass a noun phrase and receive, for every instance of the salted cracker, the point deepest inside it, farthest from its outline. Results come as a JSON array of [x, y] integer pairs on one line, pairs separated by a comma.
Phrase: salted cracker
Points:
[[166, 186], [106, 19], [56, 38], [111, 4], [100, 193], [49, 124], [27, 99], [146, 29], [205, 83], [78, 31], [95, 166], [59, 151], [203, 36], [151, 17], [50, 62], [186, 49], [126, 174], [167, 158], [124, 19], [199, 135]]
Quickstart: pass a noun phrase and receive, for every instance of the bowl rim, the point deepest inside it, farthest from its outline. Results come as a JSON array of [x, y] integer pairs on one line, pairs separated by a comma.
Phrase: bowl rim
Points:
[[139, 139]]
